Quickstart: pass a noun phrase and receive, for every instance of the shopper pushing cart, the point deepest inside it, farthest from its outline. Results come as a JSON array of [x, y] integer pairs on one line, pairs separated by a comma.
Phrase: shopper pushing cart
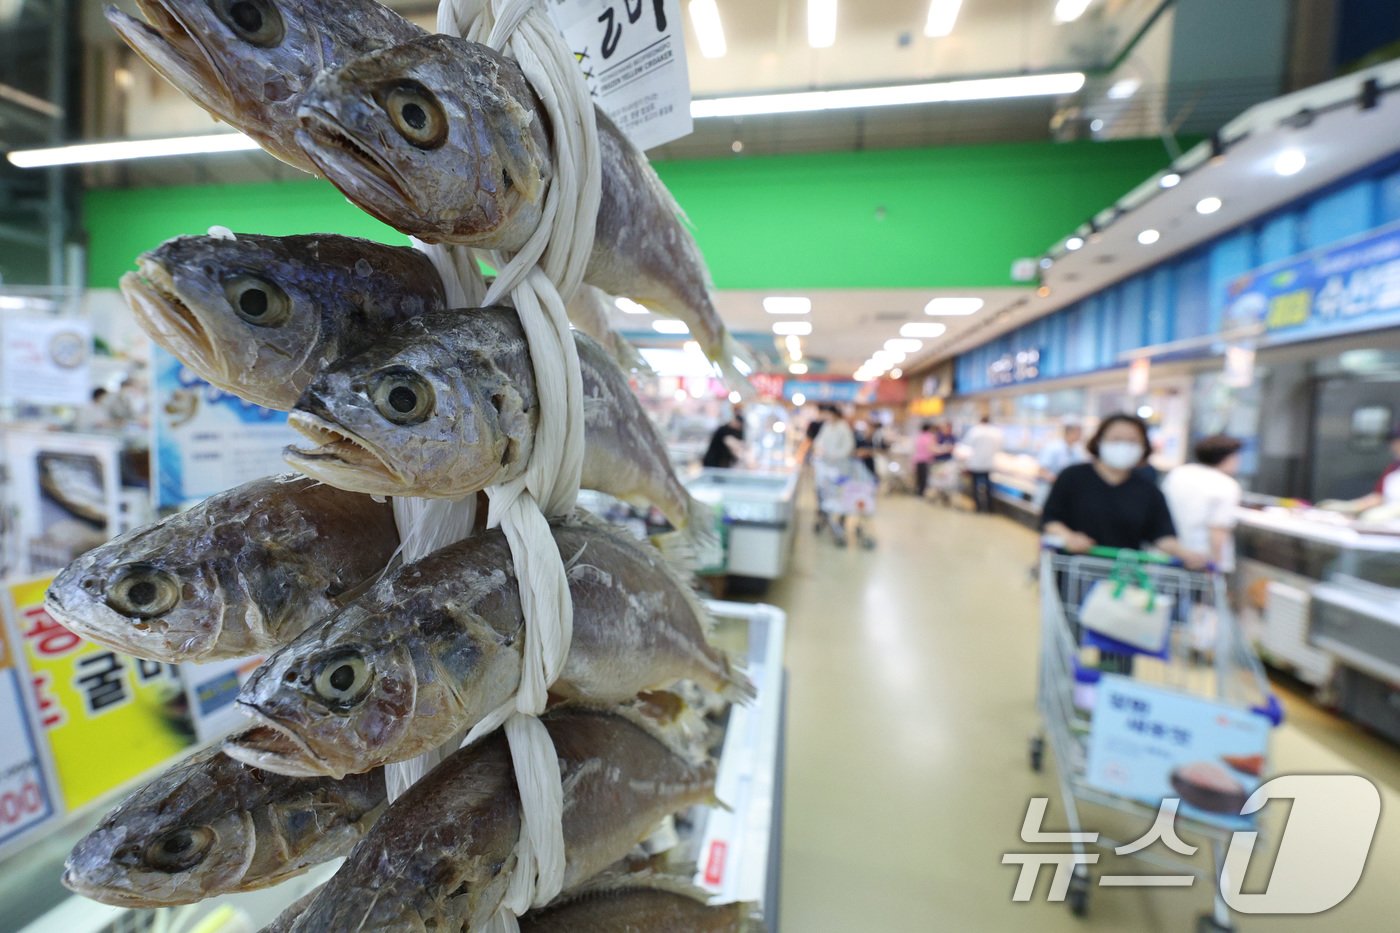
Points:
[[846, 489]]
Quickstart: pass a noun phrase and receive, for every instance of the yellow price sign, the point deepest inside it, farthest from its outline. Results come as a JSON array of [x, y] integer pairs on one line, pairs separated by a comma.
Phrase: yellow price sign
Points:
[[107, 717]]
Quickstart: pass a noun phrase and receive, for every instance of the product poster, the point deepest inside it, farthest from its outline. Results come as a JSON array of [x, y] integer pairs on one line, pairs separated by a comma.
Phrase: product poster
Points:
[[26, 792], [66, 493], [212, 688], [107, 717], [1149, 743], [44, 360], [208, 440], [632, 53]]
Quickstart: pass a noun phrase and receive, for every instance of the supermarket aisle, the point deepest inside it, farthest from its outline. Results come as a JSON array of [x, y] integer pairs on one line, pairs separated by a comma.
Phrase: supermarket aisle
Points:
[[912, 685]]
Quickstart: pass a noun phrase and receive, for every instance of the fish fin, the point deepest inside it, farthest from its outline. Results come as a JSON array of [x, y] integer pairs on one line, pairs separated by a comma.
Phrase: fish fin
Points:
[[629, 357], [731, 355], [673, 735], [718, 804], [751, 918], [677, 879], [687, 548], [737, 686]]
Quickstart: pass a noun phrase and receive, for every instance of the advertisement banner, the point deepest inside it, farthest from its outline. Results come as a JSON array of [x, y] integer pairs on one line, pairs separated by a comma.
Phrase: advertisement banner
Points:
[[107, 717], [65, 490], [1350, 286], [26, 790], [1149, 743], [44, 360], [208, 440], [211, 689]]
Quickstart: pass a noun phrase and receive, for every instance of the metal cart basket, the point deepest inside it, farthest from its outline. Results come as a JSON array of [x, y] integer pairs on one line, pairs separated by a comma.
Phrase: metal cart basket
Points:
[[1082, 705]]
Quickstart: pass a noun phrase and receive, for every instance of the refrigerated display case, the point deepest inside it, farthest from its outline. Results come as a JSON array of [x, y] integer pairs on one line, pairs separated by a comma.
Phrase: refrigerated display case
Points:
[[757, 510]]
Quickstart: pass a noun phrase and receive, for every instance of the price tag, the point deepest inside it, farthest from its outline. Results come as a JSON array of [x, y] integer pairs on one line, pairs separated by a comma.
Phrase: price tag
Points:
[[633, 54]]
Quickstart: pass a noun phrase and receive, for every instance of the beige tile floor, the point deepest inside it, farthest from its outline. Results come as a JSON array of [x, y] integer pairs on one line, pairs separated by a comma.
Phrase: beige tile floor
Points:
[[912, 683]]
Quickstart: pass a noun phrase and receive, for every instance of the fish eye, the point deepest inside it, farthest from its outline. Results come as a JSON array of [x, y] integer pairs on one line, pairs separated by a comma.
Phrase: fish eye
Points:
[[417, 115], [402, 396], [342, 678], [254, 21], [180, 849], [143, 592], [258, 301]]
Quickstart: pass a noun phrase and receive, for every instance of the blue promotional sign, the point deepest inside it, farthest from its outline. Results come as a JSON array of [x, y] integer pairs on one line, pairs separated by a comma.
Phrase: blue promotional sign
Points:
[[1352, 286], [207, 440], [822, 390], [1149, 743]]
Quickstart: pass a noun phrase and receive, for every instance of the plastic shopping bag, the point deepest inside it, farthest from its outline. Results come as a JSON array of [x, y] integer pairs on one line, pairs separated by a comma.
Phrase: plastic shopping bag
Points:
[[1126, 608]]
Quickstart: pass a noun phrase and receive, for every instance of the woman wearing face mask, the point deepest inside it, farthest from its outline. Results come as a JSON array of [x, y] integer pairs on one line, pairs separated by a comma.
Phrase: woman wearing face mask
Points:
[[1103, 503]]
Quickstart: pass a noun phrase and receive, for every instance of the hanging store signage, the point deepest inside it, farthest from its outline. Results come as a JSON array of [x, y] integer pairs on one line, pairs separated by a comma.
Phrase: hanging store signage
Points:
[[632, 53], [212, 689], [822, 390], [44, 360], [1011, 368], [1352, 286], [26, 787], [208, 440], [107, 717]]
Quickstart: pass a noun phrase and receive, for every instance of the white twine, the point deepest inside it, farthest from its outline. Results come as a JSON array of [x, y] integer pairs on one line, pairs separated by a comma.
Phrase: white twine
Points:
[[538, 279]]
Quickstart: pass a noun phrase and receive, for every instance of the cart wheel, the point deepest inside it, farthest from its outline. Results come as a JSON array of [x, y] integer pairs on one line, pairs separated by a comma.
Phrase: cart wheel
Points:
[[1206, 923], [1037, 754], [1077, 897]]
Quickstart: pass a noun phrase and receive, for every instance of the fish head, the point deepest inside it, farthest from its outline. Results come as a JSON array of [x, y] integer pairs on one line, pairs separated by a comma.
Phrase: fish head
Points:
[[438, 137], [414, 416], [335, 701], [174, 841], [245, 61], [239, 312]]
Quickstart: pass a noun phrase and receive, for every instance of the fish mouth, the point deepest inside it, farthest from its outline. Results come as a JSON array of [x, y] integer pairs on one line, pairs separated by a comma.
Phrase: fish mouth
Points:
[[271, 746], [341, 156], [105, 894], [167, 320], [340, 457], [172, 47]]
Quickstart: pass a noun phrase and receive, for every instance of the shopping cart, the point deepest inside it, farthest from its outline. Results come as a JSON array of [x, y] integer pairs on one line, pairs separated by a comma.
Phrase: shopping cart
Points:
[[945, 481], [844, 488], [1115, 715]]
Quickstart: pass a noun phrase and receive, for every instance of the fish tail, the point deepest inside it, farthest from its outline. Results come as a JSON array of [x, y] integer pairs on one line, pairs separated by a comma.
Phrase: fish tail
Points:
[[734, 358], [629, 357], [737, 688], [696, 544], [750, 918]]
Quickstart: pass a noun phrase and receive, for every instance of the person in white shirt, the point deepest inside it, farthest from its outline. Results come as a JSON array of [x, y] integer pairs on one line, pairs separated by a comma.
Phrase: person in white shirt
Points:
[[1062, 452], [1204, 498], [834, 451], [983, 444]]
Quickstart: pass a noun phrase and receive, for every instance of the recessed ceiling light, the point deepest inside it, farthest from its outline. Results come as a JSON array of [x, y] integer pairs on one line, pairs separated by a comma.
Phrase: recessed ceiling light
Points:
[[792, 328], [953, 307], [1169, 180], [896, 373], [709, 31], [798, 369], [1290, 162], [1046, 262], [904, 345], [735, 398], [821, 23], [799, 399], [1095, 125], [942, 16], [780, 305], [1067, 11], [1149, 236], [670, 327], [1209, 205], [927, 330], [1074, 243], [1124, 88], [628, 306]]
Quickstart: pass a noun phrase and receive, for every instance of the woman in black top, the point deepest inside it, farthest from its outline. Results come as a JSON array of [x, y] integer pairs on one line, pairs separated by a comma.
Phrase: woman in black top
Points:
[[1104, 503]]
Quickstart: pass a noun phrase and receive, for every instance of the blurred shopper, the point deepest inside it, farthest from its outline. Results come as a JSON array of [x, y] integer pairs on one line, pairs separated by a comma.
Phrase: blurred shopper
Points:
[[1105, 503], [1064, 451], [867, 446], [1203, 498], [945, 442], [727, 443], [814, 427], [924, 451], [1386, 492], [844, 488], [983, 442]]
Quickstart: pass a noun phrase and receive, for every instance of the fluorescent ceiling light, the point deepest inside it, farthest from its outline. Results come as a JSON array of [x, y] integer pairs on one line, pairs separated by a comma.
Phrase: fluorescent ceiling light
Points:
[[779, 305], [798, 369], [1149, 236], [932, 93], [734, 397], [927, 330], [628, 306], [799, 399], [821, 23], [1124, 88], [896, 373], [743, 367], [1169, 180], [670, 327], [1067, 11], [709, 32], [904, 345], [953, 307], [887, 358], [942, 16], [792, 328], [122, 150], [1074, 243], [1290, 162], [1209, 205]]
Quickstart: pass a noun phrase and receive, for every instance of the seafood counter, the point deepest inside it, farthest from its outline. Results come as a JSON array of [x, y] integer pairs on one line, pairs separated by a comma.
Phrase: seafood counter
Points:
[[387, 721]]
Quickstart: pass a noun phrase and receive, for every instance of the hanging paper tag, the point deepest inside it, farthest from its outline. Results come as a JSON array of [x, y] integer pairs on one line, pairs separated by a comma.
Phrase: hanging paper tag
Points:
[[633, 54]]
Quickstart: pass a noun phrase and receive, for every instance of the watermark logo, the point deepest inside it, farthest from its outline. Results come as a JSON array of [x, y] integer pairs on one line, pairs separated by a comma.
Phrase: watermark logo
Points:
[[1321, 853]]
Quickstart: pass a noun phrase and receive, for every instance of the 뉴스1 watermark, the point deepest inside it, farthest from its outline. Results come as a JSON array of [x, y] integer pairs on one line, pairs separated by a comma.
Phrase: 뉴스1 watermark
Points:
[[1321, 853]]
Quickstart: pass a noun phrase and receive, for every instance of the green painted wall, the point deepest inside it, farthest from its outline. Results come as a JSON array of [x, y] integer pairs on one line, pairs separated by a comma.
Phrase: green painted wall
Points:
[[918, 218]]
